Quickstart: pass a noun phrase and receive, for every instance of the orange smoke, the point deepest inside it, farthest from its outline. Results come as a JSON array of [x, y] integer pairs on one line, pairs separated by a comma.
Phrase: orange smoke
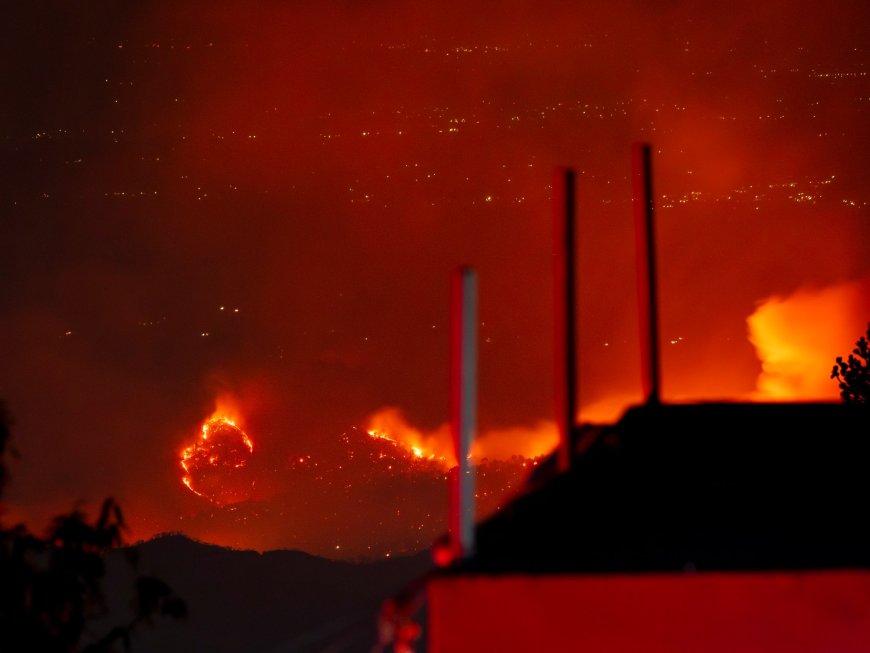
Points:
[[607, 409], [497, 444], [798, 336], [228, 406], [526, 441]]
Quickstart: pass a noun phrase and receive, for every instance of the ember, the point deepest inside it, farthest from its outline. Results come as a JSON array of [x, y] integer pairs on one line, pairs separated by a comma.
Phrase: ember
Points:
[[216, 465]]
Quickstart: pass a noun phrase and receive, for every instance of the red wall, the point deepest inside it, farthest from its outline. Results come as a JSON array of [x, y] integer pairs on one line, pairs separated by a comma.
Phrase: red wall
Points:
[[789, 612]]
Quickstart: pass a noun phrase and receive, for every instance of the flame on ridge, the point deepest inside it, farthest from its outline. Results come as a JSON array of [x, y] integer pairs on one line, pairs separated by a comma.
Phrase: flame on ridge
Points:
[[390, 424]]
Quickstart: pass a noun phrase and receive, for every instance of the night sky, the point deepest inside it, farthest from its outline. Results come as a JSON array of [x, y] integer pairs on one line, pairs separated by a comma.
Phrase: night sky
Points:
[[258, 205]]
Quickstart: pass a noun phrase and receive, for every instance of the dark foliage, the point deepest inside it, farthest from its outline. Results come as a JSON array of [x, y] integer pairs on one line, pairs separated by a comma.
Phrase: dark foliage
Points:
[[51, 589], [853, 374]]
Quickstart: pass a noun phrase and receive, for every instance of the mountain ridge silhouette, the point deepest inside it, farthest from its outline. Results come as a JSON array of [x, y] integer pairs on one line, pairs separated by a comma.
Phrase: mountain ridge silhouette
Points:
[[272, 601]]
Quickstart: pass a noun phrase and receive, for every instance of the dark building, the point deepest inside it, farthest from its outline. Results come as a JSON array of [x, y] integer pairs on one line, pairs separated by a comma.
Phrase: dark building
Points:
[[708, 528]]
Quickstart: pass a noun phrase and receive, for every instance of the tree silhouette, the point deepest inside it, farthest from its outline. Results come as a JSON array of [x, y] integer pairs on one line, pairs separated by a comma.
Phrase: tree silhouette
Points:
[[853, 374], [51, 587]]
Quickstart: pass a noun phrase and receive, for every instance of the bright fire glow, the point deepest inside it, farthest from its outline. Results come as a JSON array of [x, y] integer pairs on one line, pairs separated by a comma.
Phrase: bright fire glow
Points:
[[216, 465], [498, 444], [798, 336], [403, 440]]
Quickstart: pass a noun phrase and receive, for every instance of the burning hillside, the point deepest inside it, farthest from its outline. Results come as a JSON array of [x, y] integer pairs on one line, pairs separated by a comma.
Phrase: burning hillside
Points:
[[376, 497]]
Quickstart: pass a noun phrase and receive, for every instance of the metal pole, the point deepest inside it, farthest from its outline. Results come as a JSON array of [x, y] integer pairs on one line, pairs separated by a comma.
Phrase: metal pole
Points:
[[565, 349], [647, 295], [463, 406]]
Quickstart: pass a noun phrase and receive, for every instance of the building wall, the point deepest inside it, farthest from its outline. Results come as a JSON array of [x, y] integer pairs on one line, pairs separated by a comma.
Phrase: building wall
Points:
[[797, 612]]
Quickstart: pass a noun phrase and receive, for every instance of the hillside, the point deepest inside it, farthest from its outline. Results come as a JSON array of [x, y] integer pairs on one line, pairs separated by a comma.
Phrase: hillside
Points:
[[368, 498], [275, 601]]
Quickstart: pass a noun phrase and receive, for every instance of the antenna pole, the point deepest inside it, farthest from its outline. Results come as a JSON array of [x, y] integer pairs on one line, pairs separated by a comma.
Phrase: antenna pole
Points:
[[647, 293], [463, 406], [565, 311]]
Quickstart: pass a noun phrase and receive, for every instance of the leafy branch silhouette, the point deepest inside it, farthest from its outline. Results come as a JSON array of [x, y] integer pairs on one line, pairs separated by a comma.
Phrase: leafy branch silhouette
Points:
[[51, 589], [853, 374]]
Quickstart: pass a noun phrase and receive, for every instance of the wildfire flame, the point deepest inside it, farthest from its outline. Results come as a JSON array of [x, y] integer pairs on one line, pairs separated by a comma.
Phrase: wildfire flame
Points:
[[414, 450], [215, 464], [390, 424], [499, 444]]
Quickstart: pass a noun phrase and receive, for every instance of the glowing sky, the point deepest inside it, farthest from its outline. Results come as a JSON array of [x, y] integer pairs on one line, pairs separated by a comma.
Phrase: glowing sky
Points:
[[265, 202]]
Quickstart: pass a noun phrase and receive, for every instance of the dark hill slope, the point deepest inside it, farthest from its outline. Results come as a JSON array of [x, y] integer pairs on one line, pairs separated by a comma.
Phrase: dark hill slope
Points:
[[274, 601]]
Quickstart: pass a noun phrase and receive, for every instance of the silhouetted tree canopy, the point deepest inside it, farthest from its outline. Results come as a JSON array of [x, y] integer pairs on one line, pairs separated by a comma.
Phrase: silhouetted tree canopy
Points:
[[51, 587], [853, 374]]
